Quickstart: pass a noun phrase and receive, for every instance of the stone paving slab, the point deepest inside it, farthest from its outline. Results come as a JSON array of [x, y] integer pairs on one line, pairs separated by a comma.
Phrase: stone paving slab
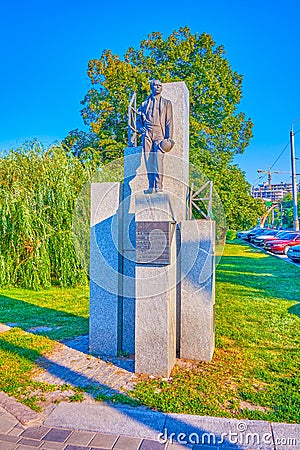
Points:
[[104, 440], [57, 435], [136, 422], [7, 445], [286, 436], [152, 445], [17, 430], [29, 442], [127, 443], [19, 411], [82, 438], [7, 423], [6, 438], [176, 446], [36, 432], [53, 446], [72, 364]]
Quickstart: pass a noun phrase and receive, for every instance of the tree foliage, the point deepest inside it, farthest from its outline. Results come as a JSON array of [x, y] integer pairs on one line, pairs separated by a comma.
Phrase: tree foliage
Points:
[[284, 213], [215, 91], [218, 130], [242, 210], [38, 189]]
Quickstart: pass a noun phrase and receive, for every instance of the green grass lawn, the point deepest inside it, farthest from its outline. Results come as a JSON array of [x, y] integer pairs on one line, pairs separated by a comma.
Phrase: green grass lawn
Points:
[[255, 369], [64, 312]]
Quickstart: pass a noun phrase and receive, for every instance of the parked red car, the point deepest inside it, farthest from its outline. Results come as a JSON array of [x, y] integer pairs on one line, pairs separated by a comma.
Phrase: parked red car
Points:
[[282, 245], [261, 239]]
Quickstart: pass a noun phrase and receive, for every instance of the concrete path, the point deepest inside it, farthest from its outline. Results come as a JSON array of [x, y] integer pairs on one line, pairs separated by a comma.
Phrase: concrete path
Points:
[[84, 426]]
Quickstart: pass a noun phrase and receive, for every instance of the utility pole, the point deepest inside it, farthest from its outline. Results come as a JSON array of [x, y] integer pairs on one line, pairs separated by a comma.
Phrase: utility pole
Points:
[[294, 181]]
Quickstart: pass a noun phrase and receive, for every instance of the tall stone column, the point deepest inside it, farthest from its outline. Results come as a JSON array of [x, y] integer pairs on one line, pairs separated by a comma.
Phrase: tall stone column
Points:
[[176, 182], [155, 286], [105, 302], [197, 328]]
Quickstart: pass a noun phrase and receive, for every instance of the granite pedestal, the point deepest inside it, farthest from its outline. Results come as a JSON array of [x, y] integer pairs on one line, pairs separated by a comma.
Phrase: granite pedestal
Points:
[[155, 293], [105, 308], [197, 330]]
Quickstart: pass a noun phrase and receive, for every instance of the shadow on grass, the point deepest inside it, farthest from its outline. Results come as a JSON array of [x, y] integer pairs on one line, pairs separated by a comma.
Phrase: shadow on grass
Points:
[[268, 275], [45, 321], [295, 310]]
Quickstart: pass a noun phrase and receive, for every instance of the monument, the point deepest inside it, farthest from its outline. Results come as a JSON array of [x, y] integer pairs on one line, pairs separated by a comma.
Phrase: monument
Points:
[[152, 265]]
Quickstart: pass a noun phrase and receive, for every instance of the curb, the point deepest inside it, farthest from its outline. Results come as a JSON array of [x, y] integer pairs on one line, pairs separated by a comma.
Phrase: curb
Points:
[[21, 412]]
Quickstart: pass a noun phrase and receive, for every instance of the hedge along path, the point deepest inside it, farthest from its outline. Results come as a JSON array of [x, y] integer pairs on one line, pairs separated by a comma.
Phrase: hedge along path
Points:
[[38, 190]]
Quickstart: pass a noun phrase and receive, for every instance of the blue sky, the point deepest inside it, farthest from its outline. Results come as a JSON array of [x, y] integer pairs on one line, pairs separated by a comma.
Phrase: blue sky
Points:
[[46, 45]]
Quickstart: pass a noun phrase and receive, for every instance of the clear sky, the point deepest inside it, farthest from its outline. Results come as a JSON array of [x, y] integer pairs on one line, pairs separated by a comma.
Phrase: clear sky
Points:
[[46, 45]]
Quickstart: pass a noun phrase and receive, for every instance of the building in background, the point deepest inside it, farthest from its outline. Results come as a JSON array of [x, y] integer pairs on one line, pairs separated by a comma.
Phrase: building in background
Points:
[[272, 192]]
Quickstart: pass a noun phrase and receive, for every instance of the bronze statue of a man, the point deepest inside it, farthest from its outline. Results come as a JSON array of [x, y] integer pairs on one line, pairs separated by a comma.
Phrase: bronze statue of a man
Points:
[[155, 123]]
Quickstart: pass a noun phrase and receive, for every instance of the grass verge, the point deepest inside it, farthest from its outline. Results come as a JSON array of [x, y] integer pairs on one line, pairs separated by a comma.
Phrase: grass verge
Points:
[[62, 312]]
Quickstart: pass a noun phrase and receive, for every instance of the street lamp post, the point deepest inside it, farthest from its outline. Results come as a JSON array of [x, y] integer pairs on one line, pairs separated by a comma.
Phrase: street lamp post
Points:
[[294, 180]]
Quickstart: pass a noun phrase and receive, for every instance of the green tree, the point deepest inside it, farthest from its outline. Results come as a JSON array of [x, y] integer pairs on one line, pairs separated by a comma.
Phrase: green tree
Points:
[[218, 130], [215, 91], [288, 210], [242, 210]]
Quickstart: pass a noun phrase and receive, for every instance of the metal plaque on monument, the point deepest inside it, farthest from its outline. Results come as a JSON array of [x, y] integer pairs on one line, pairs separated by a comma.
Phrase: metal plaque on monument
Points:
[[153, 242]]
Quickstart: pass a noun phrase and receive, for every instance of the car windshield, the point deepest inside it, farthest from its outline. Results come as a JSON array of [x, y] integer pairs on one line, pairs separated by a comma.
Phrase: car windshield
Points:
[[289, 237], [260, 231], [282, 234]]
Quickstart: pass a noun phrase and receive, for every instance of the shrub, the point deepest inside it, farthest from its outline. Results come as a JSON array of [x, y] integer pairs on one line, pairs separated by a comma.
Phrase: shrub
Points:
[[230, 235]]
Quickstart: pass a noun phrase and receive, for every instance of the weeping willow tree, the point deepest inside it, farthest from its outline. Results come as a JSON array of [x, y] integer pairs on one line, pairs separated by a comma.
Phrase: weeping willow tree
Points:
[[38, 190]]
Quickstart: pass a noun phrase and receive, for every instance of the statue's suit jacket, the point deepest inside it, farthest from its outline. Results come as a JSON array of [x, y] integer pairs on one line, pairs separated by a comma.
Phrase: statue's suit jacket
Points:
[[165, 115]]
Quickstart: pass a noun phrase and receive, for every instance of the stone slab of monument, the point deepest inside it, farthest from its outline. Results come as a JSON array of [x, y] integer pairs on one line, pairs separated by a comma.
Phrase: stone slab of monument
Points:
[[176, 162], [135, 182], [197, 329], [127, 291], [105, 321], [127, 288], [155, 293], [177, 169], [154, 207]]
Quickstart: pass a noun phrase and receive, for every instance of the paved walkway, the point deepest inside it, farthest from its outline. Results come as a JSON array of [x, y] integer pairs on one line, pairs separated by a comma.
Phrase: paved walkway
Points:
[[84, 426], [71, 363]]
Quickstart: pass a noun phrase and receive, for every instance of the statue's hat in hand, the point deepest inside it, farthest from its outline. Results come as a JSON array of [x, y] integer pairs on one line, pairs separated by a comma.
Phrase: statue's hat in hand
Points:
[[166, 145]]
